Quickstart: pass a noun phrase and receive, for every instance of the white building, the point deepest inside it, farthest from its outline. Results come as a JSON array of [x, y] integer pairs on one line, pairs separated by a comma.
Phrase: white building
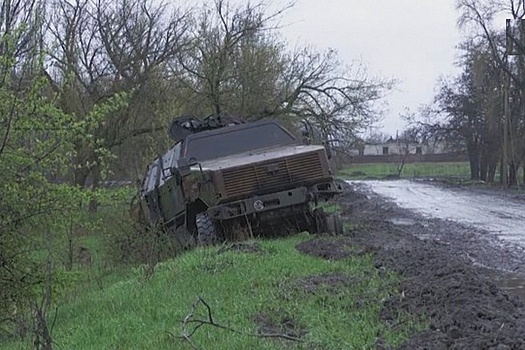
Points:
[[393, 147]]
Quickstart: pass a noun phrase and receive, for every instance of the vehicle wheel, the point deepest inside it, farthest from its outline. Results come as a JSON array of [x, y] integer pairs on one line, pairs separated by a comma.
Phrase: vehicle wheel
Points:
[[184, 237], [206, 231], [334, 224], [319, 224]]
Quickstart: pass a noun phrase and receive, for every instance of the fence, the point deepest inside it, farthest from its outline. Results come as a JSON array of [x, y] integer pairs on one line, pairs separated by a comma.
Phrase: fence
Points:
[[410, 158]]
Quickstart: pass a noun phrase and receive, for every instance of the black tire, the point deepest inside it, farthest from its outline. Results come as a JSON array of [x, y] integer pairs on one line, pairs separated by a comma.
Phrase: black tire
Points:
[[334, 224], [319, 222], [206, 232], [339, 228]]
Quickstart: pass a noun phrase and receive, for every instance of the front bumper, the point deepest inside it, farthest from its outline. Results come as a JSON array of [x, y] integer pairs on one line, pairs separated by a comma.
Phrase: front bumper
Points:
[[273, 201], [259, 204]]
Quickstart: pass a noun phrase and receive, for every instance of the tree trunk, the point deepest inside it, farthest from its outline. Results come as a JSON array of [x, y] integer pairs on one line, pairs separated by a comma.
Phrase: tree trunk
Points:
[[483, 168], [513, 174], [80, 176], [492, 171], [501, 175], [93, 204], [473, 157]]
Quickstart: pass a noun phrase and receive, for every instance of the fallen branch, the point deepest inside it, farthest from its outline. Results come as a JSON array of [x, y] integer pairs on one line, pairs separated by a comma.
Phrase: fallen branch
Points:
[[198, 323]]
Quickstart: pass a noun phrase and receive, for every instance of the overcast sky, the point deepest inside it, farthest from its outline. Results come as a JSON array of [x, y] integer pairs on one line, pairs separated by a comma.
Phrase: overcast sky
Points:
[[411, 40]]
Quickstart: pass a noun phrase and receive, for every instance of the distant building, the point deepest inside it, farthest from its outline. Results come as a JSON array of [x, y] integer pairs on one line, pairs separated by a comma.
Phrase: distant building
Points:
[[398, 147]]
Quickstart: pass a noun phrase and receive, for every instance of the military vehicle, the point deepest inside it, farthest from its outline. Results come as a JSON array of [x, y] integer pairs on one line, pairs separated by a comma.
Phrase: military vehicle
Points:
[[223, 175]]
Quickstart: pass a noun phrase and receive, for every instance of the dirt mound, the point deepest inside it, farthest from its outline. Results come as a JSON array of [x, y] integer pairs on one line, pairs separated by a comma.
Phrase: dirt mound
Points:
[[242, 247], [331, 283], [463, 306], [324, 248], [279, 324]]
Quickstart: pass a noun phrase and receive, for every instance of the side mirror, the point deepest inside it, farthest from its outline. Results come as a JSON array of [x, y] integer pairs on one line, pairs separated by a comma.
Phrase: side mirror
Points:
[[306, 134], [184, 166], [328, 149], [176, 174]]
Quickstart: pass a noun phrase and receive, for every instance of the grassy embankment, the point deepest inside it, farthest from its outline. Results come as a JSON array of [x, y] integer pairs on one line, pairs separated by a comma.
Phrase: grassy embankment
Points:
[[110, 306], [453, 172], [410, 170], [240, 288]]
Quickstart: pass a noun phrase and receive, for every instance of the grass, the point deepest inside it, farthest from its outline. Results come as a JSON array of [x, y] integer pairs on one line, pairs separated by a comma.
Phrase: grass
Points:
[[381, 170], [452, 172], [330, 207], [134, 313], [110, 306]]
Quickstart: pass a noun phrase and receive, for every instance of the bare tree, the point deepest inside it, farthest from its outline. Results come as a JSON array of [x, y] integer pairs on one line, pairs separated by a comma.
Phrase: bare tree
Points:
[[233, 61], [338, 102], [237, 63], [113, 54], [479, 16]]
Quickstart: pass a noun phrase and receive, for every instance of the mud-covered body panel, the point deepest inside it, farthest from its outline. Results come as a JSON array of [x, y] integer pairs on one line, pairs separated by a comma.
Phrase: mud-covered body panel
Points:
[[268, 171], [259, 156]]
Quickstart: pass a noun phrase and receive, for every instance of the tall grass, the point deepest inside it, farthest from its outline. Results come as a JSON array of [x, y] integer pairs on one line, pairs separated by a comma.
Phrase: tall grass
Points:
[[240, 288], [111, 305], [381, 170]]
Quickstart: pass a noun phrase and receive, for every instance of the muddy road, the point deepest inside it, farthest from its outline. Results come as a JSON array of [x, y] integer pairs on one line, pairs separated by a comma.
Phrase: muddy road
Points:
[[485, 226], [460, 255], [497, 213]]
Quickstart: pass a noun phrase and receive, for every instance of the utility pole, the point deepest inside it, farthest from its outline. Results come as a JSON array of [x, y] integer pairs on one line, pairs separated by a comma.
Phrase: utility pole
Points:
[[506, 116], [513, 37]]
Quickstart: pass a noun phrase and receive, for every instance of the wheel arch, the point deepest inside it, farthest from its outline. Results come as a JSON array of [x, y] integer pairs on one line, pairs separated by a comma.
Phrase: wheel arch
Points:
[[192, 209]]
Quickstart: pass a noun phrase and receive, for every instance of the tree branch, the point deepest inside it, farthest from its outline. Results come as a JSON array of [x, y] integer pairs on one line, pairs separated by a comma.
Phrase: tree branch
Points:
[[190, 319]]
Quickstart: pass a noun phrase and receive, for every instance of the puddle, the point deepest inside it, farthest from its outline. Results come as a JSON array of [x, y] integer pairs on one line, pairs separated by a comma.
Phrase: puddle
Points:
[[402, 222], [504, 217], [510, 282], [513, 285]]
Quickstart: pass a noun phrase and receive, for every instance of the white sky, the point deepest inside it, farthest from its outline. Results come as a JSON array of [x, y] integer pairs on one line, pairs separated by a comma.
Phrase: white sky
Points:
[[411, 40]]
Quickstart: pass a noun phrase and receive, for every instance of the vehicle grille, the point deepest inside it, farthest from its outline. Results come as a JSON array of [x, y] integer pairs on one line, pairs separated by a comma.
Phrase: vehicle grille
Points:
[[272, 174]]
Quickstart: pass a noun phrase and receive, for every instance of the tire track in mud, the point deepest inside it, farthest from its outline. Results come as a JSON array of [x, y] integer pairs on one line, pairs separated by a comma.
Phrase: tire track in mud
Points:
[[465, 305]]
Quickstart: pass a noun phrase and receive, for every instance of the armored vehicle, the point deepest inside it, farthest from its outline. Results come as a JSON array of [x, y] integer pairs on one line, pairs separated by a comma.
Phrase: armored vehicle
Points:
[[223, 175]]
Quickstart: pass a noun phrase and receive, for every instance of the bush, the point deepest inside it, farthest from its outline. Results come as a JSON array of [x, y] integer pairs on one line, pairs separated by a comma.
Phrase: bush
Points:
[[134, 244]]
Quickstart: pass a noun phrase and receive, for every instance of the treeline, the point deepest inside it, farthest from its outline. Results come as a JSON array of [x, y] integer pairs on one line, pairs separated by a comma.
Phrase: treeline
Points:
[[88, 87], [482, 109]]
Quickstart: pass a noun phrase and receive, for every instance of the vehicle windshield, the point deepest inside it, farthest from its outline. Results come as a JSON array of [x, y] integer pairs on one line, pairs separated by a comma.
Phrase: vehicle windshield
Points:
[[238, 141]]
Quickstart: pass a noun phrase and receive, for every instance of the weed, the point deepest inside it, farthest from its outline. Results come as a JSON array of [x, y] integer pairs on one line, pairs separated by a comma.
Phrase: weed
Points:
[[330, 207]]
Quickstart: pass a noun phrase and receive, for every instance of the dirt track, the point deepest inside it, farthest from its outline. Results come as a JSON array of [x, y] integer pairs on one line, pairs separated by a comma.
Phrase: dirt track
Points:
[[462, 280]]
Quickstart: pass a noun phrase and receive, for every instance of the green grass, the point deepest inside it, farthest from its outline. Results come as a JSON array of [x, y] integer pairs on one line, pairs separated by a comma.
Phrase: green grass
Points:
[[133, 313], [330, 207], [381, 170], [111, 306]]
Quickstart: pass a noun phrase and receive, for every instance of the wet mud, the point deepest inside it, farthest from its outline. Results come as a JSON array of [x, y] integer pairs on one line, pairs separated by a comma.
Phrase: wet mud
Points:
[[329, 249], [500, 213], [279, 323], [468, 286]]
